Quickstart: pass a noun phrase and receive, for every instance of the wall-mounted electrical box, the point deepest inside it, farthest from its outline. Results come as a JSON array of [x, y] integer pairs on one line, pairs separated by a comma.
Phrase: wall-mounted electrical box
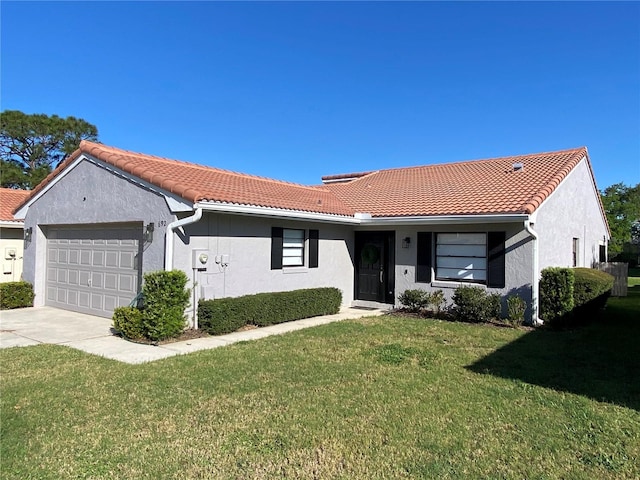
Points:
[[9, 253], [200, 259], [222, 260]]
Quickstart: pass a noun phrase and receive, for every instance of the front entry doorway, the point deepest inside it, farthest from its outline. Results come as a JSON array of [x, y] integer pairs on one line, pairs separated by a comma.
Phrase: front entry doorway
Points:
[[375, 266]]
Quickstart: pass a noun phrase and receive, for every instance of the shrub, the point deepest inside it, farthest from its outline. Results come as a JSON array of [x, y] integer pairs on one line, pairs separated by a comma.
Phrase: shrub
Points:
[[165, 300], [226, 315], [472, 304], [16, 295], [556, 294], [128, 322], [437, 301], [516, 307], [591, 285], [494, 306], [591, 290], [414, 300]]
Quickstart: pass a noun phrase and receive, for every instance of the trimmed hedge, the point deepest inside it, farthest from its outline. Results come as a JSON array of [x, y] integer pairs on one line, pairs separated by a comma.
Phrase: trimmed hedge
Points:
[[16, 295], [165, 299], [161, 314], [556, 293], [128, 321], [592, 288], [573, 295], [226, 315]]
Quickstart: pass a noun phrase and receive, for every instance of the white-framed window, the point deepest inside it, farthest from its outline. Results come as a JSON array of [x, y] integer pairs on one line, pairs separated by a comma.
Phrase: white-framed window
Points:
[[292, 248], [461, 257]]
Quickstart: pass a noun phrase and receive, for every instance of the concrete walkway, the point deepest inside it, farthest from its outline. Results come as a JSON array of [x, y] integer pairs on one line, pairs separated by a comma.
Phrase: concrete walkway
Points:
[[91, 334]]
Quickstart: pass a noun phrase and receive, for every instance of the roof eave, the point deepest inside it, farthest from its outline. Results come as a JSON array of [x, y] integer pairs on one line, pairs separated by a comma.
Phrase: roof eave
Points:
[[271, 212], [12, 224], [360, 218], [447, 219]]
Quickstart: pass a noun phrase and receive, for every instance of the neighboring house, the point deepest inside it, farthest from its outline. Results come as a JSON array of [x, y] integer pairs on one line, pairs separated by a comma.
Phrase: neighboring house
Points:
[[105, 216], [11, 234]]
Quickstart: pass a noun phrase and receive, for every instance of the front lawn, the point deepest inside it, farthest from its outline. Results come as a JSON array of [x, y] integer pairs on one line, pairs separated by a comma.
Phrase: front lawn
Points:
[[382, 397]]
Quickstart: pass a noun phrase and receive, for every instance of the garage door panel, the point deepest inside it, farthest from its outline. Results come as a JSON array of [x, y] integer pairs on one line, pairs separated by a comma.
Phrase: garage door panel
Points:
[[72, 297], [104, 268], [110, 303], [111, 259], [96, 301], [83, 299], [63, 276], [127, 260], [61, 295], [74, 257], [98, 259], [85, 257], [63, 255], [126, 283], [97, 280], [52, 274]]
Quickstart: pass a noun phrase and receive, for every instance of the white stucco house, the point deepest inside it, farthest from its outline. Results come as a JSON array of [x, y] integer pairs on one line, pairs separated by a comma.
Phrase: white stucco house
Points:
[[11, 234], [105, 216]]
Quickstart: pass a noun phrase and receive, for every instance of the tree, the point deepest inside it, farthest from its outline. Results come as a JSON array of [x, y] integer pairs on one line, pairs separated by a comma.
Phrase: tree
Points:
[[622, 206], [31, 146]]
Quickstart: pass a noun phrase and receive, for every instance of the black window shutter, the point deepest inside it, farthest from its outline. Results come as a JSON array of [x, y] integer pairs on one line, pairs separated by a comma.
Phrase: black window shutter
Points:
[[423, 267], [495, 263], [314, 235], [276, 248]]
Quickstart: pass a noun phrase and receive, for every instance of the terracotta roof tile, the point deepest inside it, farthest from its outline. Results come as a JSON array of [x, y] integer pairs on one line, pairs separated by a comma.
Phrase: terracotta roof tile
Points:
[[10, 199], [197, 183], [489, 186]]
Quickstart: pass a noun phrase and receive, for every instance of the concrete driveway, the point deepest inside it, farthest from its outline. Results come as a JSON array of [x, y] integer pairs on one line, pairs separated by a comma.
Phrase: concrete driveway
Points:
[[32, 326]]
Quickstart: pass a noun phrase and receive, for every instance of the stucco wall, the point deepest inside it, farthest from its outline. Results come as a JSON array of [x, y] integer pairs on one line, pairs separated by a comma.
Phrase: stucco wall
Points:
[[11, 239], [518, 260], [89, 194], [247, 242], [571, 211]]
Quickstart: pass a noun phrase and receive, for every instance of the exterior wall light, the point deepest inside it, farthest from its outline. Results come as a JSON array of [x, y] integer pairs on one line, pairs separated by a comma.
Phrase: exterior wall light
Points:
[[27, 234], [148, 232], [406, 242]]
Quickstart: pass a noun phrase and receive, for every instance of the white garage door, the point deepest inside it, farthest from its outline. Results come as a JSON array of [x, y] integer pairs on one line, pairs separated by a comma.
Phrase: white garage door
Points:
[[93, 270]]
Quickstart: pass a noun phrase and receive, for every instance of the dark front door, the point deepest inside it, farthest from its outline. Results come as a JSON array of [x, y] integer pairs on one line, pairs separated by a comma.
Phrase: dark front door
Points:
[[374, 264]]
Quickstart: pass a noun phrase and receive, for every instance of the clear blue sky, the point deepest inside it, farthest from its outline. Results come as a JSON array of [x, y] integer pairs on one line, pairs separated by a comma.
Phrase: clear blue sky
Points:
[[295, 91]]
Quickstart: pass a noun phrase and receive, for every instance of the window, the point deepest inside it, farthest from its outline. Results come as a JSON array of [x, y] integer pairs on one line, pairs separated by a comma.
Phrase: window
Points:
[[288, 248], [461, 257], [292, 248], [575, 250]]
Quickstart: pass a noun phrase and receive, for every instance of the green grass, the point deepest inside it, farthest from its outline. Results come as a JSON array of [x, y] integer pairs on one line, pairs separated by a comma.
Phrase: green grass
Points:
[[381, 397]]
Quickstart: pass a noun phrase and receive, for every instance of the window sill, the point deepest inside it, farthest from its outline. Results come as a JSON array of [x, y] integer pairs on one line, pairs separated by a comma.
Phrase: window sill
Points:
[[452, 284], [288, 270]]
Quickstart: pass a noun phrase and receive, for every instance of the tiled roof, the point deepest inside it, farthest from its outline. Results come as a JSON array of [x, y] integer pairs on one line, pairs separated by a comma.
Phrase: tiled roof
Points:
[[489, 186], [9, 200], [197, 183]]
